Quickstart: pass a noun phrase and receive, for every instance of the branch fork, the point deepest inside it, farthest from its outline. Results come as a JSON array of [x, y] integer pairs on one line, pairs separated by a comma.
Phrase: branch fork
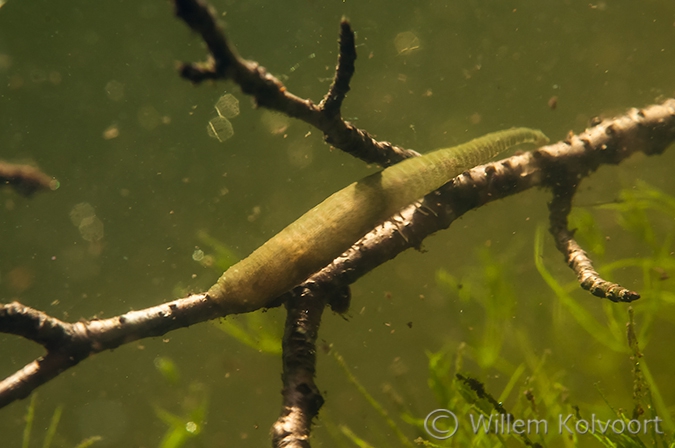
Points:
[[559, 167]]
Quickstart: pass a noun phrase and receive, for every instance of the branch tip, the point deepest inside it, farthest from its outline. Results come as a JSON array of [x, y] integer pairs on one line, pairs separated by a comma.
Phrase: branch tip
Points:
[[332, 102], [26, 179], [575, 257]]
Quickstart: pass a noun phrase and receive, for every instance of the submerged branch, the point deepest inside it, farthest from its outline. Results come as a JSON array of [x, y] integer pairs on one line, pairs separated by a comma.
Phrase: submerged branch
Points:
[[25, 179], [575, 257], [648, 130], [267, 91], [559, 167], [301, 397], [69, 343], [344, 71]]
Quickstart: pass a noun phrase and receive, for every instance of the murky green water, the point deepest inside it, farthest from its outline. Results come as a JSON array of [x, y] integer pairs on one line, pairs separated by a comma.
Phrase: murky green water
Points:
[[88, 91]]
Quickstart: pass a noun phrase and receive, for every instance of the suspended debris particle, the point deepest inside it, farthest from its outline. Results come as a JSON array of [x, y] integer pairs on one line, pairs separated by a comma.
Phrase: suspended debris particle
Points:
[[112, 132], [198, 255], [220, 128], [406, 43], [20, 279], [274, 122], [91, 229], [553, 102], [80, 212], [255, 214], [300, 154], [83, 216], [148, 117], [115, 90], [38, 76], [228, 106], [55, 78], [5, 59]]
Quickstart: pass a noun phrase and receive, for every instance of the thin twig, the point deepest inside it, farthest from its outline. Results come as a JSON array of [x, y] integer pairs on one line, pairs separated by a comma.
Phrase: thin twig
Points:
[[25, 179], [267, 91], [69, 343], [575, 257], [344, 71]]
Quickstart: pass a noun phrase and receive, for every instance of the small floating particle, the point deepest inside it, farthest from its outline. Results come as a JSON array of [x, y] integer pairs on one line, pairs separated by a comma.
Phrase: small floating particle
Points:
[[553, 102], [227, 106], [111, 132], [220, 128], [406, 42]]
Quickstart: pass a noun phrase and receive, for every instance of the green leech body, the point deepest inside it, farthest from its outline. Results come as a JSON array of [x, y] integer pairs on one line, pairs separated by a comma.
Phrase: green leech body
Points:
[[329, 229]]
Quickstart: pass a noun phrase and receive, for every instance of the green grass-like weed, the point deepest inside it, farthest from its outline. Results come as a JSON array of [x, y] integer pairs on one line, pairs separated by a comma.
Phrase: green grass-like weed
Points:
[[536, 389], [50, 433], [194, 398]]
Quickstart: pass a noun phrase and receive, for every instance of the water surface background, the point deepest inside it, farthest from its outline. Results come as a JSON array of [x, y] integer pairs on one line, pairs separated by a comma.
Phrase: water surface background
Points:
[[89, 92]]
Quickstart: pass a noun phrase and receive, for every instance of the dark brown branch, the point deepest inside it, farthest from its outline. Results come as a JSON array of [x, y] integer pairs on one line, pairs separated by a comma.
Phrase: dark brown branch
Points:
[[575, 257], [301, 398], [269, 92], [202, 19], [607, 142], [69, 343], [649, 130], [559, 167], [344, 71], [25, 179]]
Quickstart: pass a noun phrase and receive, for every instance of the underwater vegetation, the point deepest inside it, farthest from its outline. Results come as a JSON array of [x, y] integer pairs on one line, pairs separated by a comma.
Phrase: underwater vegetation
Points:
[[533, 405], [487, 329]]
